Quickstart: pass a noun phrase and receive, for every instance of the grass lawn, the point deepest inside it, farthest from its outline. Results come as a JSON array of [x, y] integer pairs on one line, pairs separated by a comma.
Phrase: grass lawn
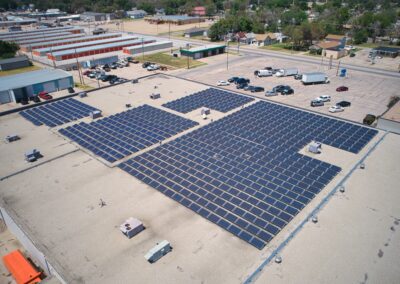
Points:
[[278, 47], [19, 70], [170, 61], [83, 87]]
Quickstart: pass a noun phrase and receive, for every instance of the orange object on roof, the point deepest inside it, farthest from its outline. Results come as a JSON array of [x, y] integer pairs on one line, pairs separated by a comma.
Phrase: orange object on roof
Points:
[[20, 268]]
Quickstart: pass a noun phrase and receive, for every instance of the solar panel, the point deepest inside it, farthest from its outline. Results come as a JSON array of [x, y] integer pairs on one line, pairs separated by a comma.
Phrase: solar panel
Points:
[[57, 113], [212, 98], [244, 172], [120, 135]]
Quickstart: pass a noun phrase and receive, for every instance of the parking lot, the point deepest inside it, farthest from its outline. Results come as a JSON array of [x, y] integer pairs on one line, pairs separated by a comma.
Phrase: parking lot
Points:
[[365, 90]]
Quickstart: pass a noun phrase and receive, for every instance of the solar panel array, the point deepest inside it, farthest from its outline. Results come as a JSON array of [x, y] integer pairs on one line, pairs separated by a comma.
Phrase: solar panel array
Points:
[[57, 113], [244, 172], [215, 99], [120, 135]]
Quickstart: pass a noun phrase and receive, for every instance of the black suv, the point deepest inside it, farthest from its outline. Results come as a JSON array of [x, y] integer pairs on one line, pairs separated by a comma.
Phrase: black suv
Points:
[[233, 79], [241, 86], [242, 81], [344, 104], [287, 91], [280, 88]]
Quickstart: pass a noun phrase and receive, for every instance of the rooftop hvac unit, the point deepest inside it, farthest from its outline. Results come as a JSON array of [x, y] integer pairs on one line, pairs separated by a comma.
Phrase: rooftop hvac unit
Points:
[[131, 227], [95, 114], [315, 147], [82, 94], [205, 111], [155, 96], [12, 138], [32, 155], [158, 251]]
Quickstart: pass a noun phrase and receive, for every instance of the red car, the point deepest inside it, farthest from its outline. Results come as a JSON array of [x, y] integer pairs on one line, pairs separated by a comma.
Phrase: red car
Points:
[[45, 96], [342, 89], [87, 72]]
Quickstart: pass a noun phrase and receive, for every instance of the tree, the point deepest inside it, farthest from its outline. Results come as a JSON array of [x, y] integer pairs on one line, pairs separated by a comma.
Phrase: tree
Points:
[[211, 8], [360, 36], [8, 49], [148, 7]]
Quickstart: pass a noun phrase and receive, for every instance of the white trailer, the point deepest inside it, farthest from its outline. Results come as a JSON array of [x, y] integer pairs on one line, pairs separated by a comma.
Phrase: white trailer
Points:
[[158, 251], [314, 78], [287, 72], [263, 73]]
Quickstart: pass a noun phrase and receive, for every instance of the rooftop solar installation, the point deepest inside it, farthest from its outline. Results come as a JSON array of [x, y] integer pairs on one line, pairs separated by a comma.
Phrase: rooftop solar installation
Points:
[[244, 172], [120, 135], [57, 113], [215, 99]]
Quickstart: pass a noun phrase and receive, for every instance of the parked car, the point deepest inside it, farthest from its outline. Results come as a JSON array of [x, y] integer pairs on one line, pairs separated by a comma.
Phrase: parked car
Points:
[[344, 104], [223, 83], [35, 99], [114, 80], [248, 88], [271, 93], [342, 89], [106, 66], [336, 108], [242, 81], [324, 98], [287, 91], [86, 72], [24, 101], [352, 54], [45, 96], [298, 77], [280, 88], [241, 86], [153, 67], [92, 75], [71, 90], [106, 78], [316, 102], [146, 64], [257, 89], [233, 79], [114, 66]]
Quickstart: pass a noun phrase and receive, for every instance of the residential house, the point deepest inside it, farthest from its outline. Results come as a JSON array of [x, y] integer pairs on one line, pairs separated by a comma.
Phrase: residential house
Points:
[[199, 11], [246, 38], [340, 39], [136, 14]]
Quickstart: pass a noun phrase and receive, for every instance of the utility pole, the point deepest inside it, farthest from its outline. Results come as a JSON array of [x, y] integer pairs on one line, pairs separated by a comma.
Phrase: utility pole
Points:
[[227, 53], [142, 48], [337, 70], [187, 54]]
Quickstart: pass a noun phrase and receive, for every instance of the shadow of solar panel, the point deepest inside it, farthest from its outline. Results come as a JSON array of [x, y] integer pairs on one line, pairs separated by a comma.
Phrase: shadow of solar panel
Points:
[[120, 135], [216, 99], [57, 113], [244, 174]]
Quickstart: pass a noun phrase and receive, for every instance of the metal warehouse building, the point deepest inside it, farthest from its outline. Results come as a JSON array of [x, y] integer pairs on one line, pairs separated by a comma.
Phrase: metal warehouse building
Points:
[[203, 51], [12, 37], [69, 41], [148, 47], [92, 50], [387, 51], [14, 88], [44, 51], [14, 63], [41, 40], [37, 31]]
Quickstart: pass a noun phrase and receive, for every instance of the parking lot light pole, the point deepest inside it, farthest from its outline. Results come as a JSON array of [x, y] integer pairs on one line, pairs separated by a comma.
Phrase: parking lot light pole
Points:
[[227, 53]]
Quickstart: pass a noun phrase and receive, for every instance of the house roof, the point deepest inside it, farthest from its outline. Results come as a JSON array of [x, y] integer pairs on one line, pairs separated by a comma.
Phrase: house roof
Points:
[[137, 12], [31, 78], [335, 37], [262, 37], [327, 44], [199, 8], [14, 59]]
